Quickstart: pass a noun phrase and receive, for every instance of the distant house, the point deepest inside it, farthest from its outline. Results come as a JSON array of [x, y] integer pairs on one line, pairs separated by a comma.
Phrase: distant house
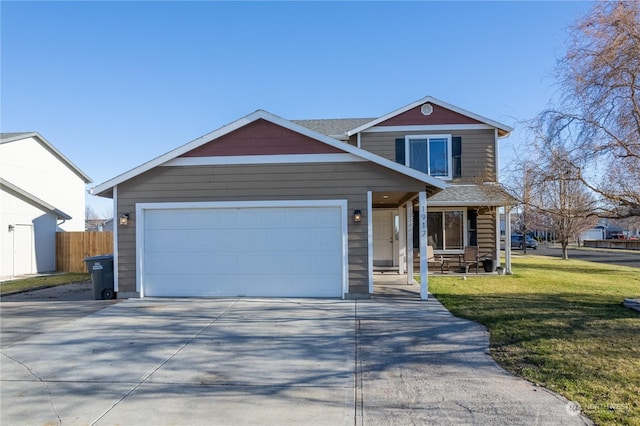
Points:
[[604, 230], [41, 192], [98, 225]]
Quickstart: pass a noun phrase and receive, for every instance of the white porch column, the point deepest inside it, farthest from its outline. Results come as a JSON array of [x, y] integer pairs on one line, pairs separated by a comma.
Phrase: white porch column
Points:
[[507, 240], [402, 237], [497, 254], [422, 217], [370, 240], [409, 242]]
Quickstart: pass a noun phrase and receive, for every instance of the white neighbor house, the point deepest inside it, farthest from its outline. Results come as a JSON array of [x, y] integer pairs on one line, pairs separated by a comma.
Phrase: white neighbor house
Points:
[[41, 192]]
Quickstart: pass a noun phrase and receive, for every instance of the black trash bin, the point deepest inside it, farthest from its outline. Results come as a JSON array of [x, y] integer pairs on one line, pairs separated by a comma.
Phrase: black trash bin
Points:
[[101, 269]]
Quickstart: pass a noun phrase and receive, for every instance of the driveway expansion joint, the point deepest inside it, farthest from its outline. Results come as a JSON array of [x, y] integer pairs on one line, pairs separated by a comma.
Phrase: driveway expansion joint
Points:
[[159, 366]]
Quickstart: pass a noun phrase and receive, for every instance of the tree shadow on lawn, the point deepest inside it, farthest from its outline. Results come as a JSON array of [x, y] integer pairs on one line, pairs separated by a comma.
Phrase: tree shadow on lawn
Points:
[[517, 319], [571, 267]]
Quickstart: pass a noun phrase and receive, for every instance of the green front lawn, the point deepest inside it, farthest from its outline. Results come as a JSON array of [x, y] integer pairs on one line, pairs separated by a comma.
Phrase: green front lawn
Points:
[[561, 324], [43, 281]]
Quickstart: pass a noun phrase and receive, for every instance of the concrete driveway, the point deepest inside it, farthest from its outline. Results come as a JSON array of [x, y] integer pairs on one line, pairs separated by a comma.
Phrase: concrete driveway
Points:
[[34, 312], [391, 360]]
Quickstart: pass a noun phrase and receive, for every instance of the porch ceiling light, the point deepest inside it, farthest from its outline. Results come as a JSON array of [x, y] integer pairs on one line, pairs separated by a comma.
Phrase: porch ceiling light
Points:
[[357, 216], [124, 219]]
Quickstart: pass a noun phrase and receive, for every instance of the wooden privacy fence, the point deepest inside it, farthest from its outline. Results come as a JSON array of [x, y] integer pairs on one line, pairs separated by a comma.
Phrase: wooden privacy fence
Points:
[[613, 244], [73, 247]]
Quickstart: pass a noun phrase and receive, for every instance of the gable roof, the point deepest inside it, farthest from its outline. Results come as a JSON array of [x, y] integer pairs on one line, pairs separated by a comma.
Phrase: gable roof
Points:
[[503, 129], [18, 136], [105, 188], [336, 128], [32, 199]]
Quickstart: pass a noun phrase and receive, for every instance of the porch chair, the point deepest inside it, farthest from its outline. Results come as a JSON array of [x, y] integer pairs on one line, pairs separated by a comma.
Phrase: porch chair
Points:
[[470, 257], [432, 261]]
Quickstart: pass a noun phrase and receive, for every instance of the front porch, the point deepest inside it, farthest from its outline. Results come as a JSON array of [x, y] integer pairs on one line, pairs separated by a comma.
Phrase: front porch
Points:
[[391, 284], [406, 239]]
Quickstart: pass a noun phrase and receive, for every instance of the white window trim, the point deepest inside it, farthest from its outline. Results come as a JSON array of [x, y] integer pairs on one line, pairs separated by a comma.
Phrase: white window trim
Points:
[[407, 152], [465, 228]]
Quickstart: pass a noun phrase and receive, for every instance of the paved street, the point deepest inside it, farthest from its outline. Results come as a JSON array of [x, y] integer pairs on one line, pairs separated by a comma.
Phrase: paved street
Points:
[[611, 256]]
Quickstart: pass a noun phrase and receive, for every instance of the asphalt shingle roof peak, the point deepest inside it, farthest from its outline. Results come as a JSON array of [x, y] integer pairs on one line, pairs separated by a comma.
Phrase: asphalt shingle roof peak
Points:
[[333, 127]]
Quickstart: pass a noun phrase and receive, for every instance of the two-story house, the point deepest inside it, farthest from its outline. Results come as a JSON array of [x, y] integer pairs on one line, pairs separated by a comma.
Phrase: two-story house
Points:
[[41, 192], [270, 207]]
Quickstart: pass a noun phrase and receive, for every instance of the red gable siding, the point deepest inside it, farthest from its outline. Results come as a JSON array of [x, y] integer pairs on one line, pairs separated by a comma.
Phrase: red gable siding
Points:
[[440, 115], [262, 138]]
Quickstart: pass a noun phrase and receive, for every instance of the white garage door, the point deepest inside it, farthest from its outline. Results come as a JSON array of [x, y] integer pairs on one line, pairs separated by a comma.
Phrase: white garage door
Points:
[[275, 251]]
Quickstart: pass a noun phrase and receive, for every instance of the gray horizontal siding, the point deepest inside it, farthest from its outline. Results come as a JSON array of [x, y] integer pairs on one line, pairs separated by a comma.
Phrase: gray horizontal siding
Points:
[[349, 181], [478, 150], [487, 233]]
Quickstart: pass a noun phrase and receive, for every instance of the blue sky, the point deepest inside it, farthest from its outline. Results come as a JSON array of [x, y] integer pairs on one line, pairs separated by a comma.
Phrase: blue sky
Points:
[[115, 84]]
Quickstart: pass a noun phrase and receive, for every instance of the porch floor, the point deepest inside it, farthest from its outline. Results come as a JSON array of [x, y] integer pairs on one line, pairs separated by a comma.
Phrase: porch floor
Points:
[[394, 284], [435, 270]]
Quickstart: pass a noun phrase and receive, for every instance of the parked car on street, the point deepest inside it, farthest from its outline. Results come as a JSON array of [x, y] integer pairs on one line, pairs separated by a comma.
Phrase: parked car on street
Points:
[[516, 242]]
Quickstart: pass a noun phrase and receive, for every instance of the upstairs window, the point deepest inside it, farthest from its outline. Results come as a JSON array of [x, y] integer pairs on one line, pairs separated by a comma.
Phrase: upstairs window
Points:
[[430, 155], [434, 155]]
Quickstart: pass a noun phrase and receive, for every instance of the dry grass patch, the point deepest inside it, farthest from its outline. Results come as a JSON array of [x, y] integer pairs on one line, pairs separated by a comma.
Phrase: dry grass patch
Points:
[[43, 281]]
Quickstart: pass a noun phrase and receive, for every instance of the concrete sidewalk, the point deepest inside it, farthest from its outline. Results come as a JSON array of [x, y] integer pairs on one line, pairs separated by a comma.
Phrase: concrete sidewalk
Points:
[[268, 361], [418, 364]]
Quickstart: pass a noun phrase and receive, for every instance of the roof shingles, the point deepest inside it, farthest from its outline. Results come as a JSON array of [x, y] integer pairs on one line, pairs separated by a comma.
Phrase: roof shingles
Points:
[[334, 127], [489, 194]]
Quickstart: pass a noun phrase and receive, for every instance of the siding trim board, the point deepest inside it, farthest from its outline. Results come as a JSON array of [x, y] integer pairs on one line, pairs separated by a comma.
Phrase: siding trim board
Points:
[[428, 128]]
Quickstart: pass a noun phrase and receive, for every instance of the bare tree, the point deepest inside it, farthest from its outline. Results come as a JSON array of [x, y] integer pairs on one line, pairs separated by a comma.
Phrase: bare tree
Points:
[[564, 200], [90, 213], [551, 196], [521, 184], [597, 121]]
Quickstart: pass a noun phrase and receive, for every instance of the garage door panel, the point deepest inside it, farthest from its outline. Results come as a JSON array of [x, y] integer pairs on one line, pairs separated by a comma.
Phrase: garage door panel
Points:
[[190, 285], [271, 252], [326, 262], [324, 239], [188, 264], [193, 219], [192, 240], [229, 285], [325, 219], [316, 284]]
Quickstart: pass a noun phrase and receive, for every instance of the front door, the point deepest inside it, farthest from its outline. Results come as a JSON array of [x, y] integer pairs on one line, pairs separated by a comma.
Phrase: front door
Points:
[[22, 250], [383, 238]]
